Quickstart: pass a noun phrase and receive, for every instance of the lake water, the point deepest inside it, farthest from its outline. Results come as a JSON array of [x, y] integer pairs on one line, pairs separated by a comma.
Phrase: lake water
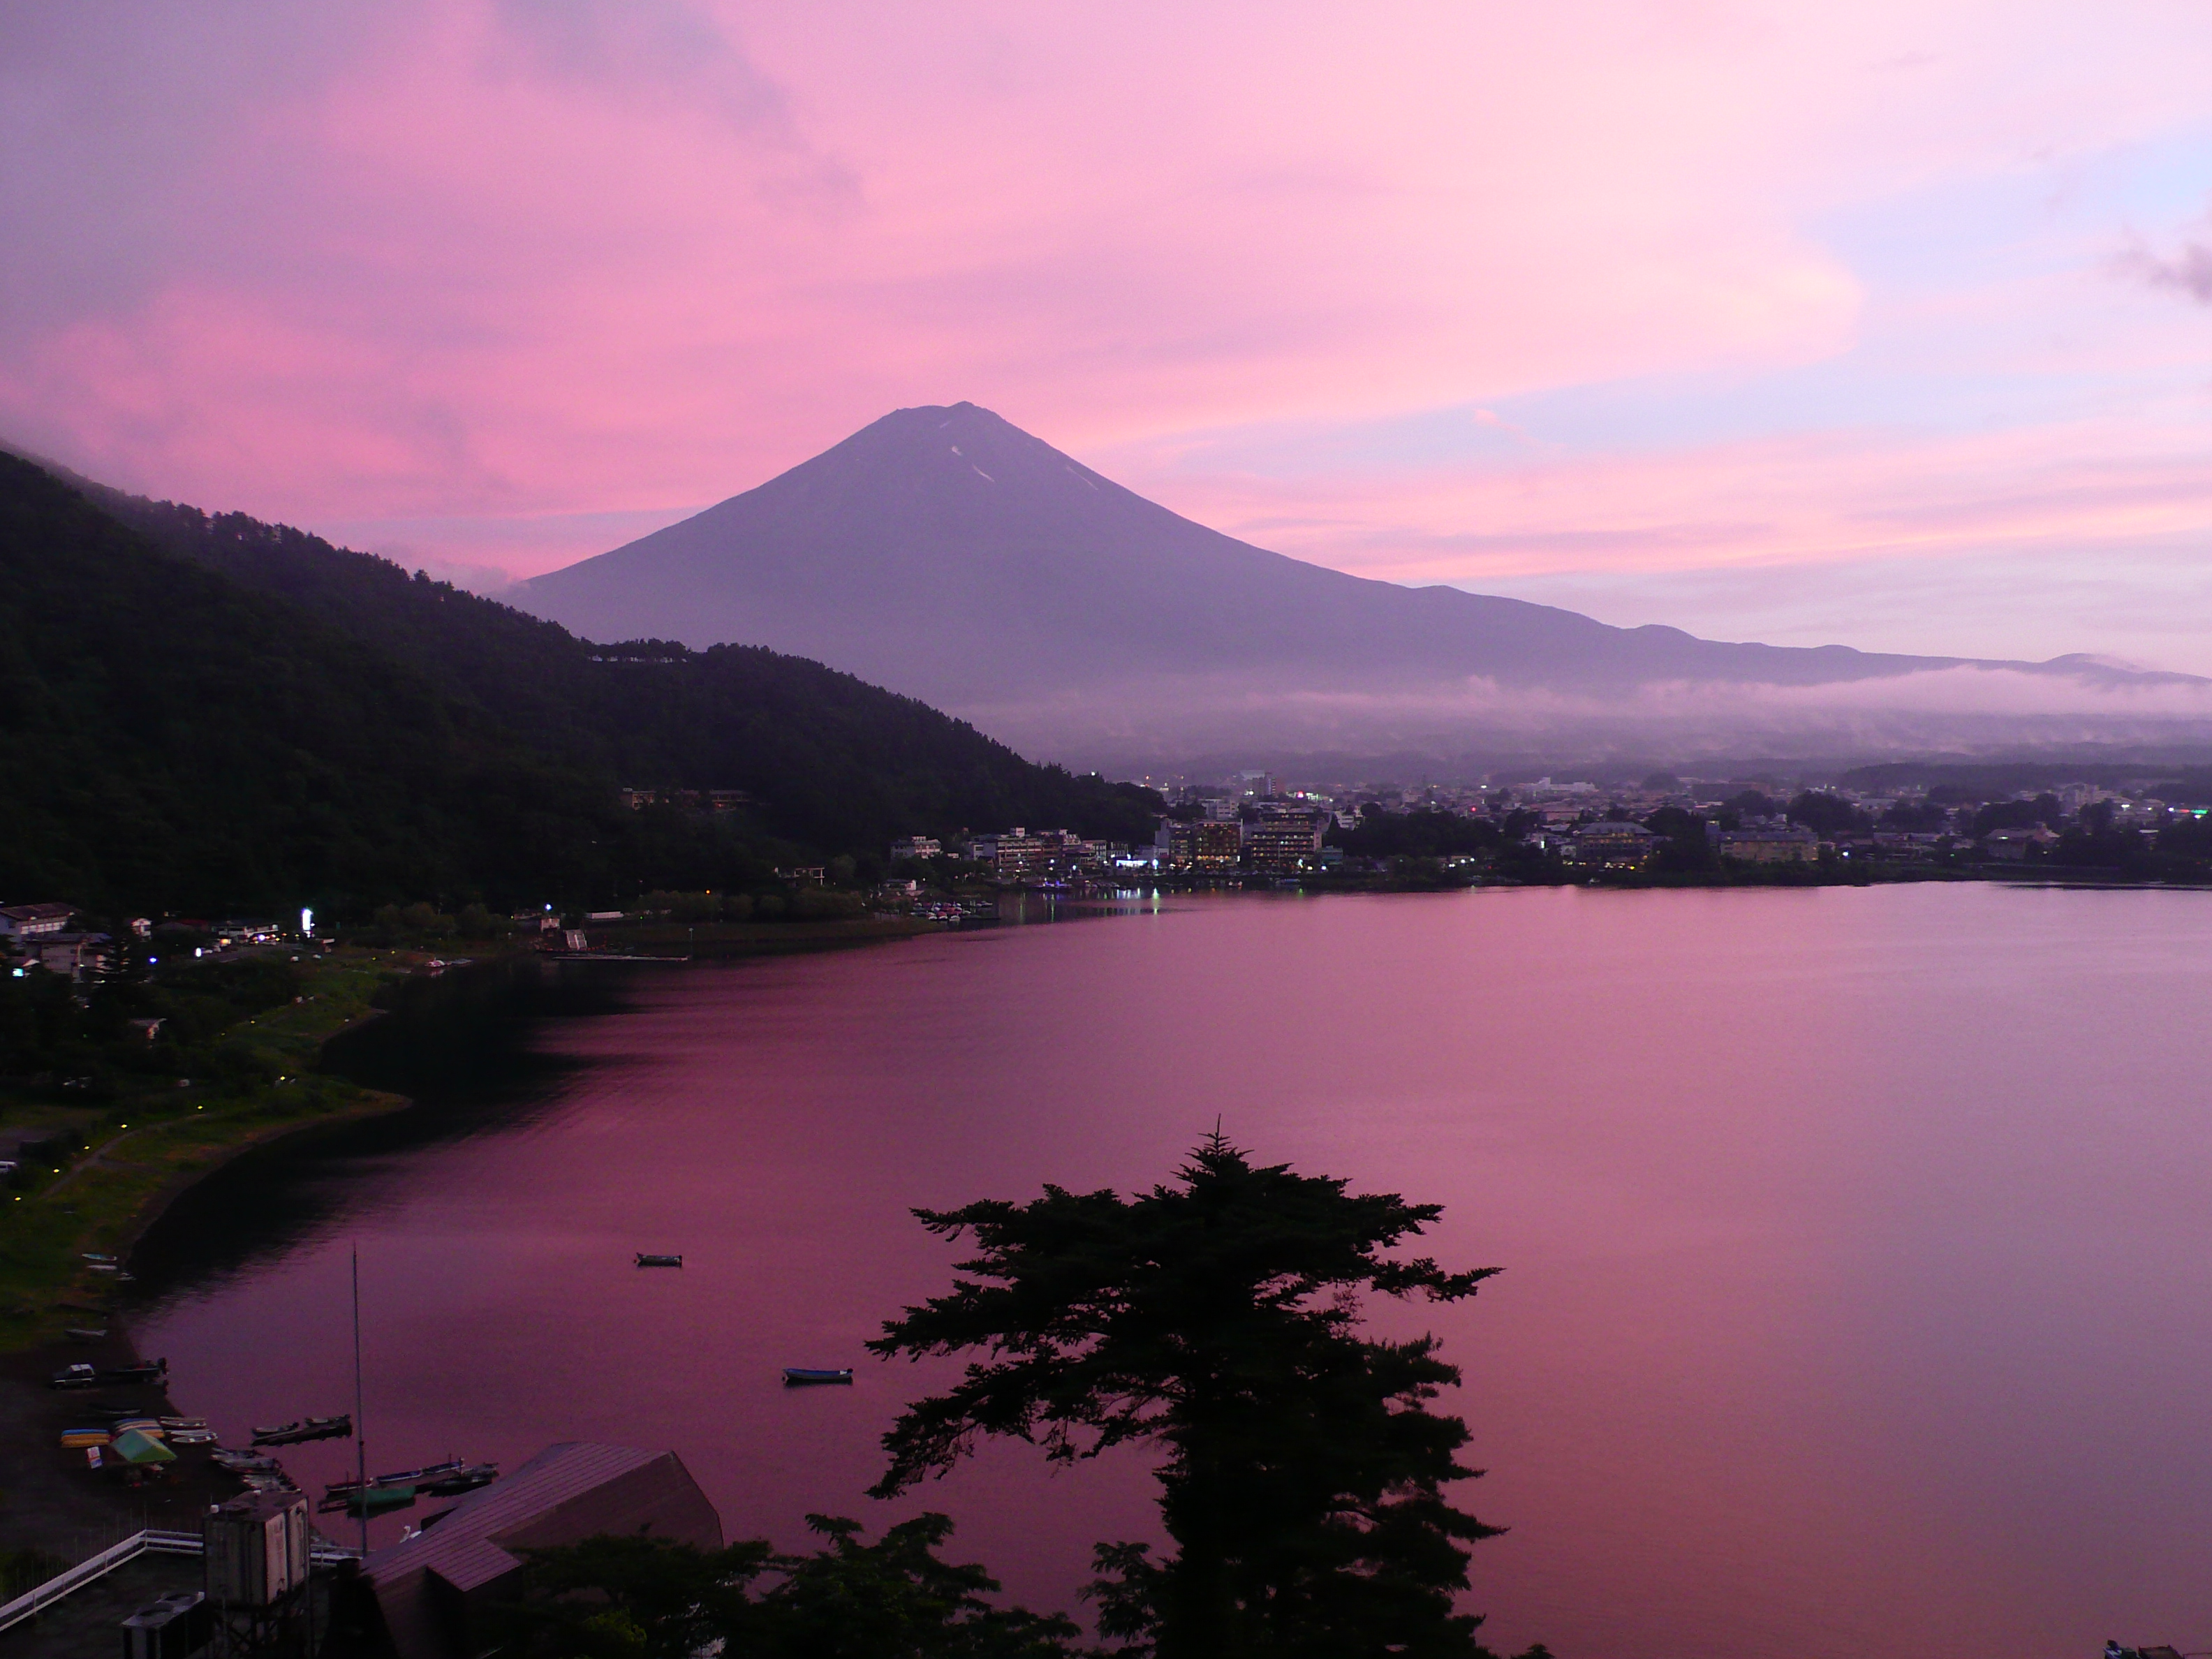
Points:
[[1858, 1256]]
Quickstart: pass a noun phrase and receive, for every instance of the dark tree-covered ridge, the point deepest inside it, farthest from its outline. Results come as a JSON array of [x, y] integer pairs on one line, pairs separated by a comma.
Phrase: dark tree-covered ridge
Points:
[[1303, 1472], [172, 740], [837, 764], [241, 717]]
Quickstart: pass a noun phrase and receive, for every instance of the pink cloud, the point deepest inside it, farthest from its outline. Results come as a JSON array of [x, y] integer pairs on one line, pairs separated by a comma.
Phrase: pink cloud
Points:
[[528, 265]]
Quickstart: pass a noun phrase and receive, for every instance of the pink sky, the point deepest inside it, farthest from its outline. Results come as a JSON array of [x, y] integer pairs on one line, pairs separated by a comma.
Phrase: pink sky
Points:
[[1881, 323]]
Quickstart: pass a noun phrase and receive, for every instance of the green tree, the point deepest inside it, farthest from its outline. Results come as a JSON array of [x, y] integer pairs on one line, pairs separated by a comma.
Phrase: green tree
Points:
[[1302, 1472], [895, 1598], [629, 1597], [1826, 814]]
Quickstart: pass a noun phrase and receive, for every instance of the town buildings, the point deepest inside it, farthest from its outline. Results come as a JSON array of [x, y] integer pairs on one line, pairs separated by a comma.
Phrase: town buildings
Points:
[[1286, 846], [1611, 845], [1772, 843], [1204, 849], [29, 922]]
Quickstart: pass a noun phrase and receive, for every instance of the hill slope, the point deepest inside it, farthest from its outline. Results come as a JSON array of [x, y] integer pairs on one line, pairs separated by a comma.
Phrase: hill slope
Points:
[[834, 763], [172, 741], [211, 712], [948, 554]]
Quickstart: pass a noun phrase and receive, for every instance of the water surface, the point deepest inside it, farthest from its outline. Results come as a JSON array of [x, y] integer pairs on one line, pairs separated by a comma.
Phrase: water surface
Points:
[[1855, 1241]]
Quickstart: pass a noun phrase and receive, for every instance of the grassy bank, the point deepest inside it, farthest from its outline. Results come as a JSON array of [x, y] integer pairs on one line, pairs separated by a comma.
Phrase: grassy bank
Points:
[[153, 1135], [121, 1158]]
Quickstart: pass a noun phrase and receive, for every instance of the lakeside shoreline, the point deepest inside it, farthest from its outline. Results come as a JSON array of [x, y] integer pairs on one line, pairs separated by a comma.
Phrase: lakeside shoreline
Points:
[[48, 1506]]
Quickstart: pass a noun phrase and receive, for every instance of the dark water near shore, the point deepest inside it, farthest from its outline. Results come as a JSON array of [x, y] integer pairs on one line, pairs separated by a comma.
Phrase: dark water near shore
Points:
[[1857, 1276]]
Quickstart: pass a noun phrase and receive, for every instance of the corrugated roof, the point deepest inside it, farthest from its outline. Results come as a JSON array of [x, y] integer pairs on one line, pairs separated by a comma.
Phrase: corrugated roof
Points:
[[459, 1548]]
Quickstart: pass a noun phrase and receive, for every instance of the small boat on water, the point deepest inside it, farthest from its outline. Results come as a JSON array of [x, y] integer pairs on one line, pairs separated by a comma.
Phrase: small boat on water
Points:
[[312, 1428], [438, 1479], [150, 1370], [86, 1333], [244, 1462], [369, 1501], [461, 1480], [192, 1436], [184, 1422], [412, 1477], [645, 1259], [800, 1376]]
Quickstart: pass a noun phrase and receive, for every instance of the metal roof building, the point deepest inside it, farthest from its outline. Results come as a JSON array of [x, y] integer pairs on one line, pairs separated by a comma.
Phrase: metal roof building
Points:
[[427, 1587]]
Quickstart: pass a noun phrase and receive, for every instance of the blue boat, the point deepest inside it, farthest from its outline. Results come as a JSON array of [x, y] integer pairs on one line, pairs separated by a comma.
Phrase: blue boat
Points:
[[799, 1376]]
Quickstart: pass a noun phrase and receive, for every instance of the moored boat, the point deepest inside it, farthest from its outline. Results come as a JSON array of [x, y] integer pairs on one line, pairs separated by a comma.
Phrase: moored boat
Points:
[[414, 1477], [461, 1480], [312, 1428], [799, 1376], [648, 1259], [244, 1462], [371, 1501]]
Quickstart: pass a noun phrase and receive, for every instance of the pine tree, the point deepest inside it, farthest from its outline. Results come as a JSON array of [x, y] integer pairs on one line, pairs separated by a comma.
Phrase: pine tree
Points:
[[1303, 1472]]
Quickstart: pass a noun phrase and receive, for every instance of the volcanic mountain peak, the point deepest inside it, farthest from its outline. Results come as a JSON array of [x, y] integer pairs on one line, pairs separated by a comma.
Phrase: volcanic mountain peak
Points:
[[946, 553]]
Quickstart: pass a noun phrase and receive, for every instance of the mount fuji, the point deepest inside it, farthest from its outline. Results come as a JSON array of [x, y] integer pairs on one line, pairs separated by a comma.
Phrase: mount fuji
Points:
[[944, 553]]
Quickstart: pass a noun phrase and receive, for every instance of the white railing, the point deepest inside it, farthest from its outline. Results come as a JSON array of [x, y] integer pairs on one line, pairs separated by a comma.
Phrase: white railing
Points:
[[153, 1542]]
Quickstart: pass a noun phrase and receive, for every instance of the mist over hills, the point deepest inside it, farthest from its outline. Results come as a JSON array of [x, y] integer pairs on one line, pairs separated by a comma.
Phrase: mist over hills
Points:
[[947, 554]]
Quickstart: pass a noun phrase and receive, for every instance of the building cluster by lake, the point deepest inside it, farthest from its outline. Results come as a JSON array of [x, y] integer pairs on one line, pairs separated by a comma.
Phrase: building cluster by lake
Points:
[[1255, 825]]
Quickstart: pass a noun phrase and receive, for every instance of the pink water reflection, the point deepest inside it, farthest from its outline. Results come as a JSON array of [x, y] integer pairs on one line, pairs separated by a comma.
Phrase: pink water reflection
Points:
[[1857, 1276]]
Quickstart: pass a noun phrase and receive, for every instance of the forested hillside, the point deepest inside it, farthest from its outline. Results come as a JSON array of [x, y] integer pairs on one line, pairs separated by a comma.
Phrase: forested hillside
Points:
[[836, 764], [210, 714]]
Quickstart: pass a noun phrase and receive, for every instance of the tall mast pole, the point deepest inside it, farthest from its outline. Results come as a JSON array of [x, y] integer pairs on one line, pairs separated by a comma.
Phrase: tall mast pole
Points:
[[360, 1438]]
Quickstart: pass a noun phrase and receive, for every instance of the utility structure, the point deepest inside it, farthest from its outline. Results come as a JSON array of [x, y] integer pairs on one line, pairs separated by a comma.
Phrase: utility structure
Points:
[[259, 1575]]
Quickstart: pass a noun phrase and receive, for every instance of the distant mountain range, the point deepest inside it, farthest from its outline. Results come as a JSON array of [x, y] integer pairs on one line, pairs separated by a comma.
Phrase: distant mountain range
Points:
[[945, 553]]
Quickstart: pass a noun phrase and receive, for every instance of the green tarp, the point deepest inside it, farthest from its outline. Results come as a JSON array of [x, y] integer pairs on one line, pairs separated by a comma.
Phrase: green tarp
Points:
[[135, 1446]]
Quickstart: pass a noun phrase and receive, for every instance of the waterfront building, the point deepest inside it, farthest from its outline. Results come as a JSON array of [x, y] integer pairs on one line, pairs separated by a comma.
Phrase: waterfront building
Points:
[[1782, 843], [2016, 844], [1283, 845], [435, 1590], [1611, 845], [915, 847], [1207, 848], [33, 921], [1017, 857]]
